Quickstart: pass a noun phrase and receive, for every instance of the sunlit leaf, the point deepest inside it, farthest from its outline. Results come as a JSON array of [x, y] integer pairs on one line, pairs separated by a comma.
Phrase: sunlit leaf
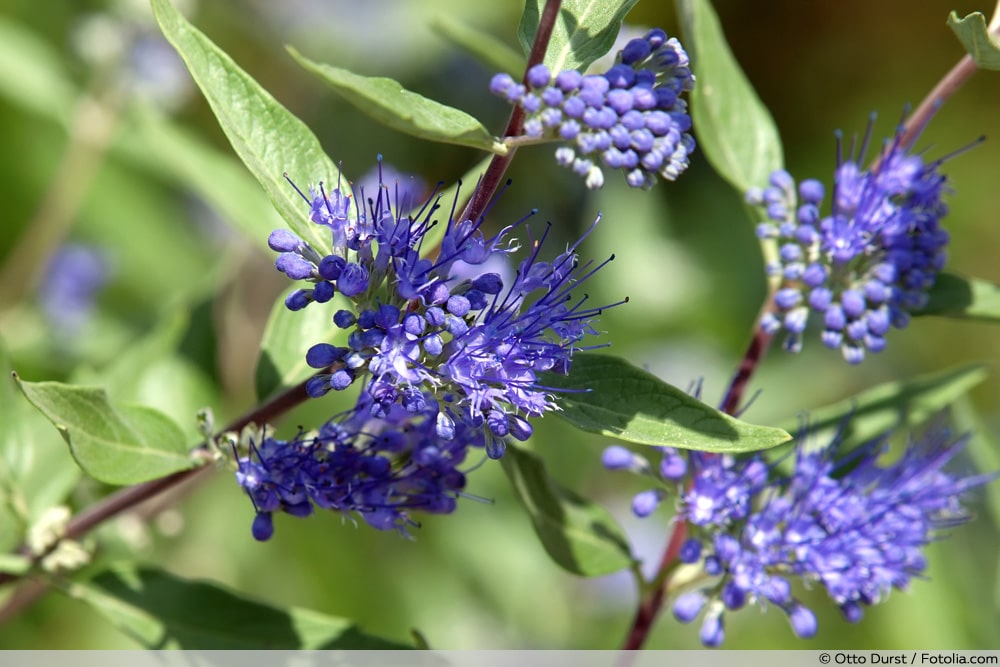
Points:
[[607, 395], [267, 137], [584, 30], [975, 36], [388, 102], [114, 443], [732, 126]]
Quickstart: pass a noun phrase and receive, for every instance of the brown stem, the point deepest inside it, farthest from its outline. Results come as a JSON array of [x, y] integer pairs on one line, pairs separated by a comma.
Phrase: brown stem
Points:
[[494, 173], [130, 497], [651, 603]]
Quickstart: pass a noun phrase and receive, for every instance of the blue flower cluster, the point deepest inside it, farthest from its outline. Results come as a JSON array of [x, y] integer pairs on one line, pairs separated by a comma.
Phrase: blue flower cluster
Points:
[[632, 117], [853, 526], [456, 347], [864, 267], [379, 468]]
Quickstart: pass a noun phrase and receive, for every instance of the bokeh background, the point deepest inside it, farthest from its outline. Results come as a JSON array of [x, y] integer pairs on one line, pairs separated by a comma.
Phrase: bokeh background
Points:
[[78, 77]]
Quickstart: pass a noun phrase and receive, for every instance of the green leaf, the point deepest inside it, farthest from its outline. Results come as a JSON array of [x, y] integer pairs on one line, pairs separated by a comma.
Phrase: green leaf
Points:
[[584, 30], [267, 137], [580, 536], [607, 395], [36, 472], [493, 52], [388, 102], [160, 611], [116, 444], [14, 564], [963, 298], [887, 406], [732, 126], [975, 36], [287, 337]]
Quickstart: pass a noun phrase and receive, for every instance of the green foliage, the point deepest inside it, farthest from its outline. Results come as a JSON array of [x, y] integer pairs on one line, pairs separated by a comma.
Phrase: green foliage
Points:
[[964, 298], [902, 403], [484, 46], [114, 443], [287, 337], [35, 472], [267, 137], [580, 536], [161, 611], [975, 36], [388, 102], [584, 31], [607, 395], [733, 127]]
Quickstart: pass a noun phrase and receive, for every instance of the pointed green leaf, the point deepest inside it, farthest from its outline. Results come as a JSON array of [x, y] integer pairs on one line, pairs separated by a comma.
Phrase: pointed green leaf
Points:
[[388, 102], [887, 406], [267, 137], [493, 52], [287, 337], [580, 536], [36, 472], [584, 30], [963, 298], [160, 611], [733, 127], [607, 395], [116, 444], [975, 36]]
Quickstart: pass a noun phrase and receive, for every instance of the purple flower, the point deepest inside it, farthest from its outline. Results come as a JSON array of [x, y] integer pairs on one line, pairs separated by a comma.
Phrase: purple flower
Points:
[[631, 117], [866, 265], [457, 330], [382, 470], [854, 526]]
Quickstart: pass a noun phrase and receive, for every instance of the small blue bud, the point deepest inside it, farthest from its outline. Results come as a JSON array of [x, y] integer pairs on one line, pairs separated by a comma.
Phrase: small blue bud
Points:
[[803, 621], [282, 240], [617, 457], [688, 605], [263, 527], [294, 266], [645, 502]]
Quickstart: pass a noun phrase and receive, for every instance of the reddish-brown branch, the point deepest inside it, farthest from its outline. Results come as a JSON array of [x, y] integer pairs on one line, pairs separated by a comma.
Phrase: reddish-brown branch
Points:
[[494, 173]]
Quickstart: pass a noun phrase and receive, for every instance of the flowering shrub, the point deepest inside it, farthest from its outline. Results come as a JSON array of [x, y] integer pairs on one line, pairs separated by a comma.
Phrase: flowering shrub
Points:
[[437, 350]]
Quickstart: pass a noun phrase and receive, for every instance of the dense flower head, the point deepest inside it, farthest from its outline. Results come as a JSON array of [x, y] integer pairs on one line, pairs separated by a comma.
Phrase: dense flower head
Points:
[[865, 266], [382, 469], [422, 330], [631, 117], [855, 526]]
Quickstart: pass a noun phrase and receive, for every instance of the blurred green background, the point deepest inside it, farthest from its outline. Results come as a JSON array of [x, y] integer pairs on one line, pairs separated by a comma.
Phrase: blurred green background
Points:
[[86, 90]]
